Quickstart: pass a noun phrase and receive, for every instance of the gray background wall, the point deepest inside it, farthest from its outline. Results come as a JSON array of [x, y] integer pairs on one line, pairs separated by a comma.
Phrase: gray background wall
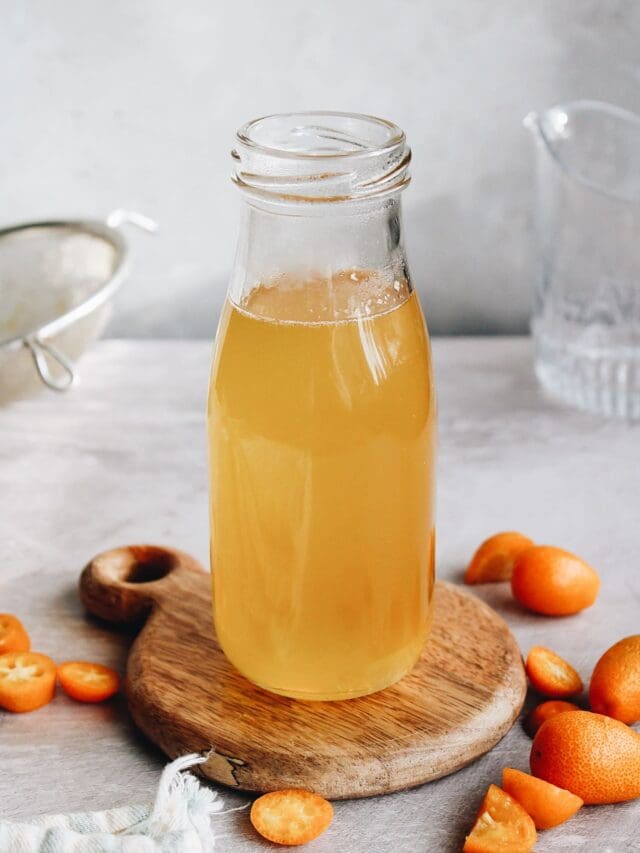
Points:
[[135, 102]]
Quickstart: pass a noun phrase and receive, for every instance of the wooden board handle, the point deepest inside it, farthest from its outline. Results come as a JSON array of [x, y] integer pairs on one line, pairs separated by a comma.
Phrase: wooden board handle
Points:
[[122, 585]]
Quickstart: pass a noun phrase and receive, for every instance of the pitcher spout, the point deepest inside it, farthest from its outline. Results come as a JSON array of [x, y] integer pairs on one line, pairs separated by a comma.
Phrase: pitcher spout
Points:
[[593, 144]]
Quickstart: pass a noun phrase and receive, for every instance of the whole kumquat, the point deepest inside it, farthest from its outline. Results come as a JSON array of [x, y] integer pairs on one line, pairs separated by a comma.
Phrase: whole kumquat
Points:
[[547, 804], [494, 559], [545, 711], [615, 683], [553, 582], [551, 675], [595, 757], [502, 826]]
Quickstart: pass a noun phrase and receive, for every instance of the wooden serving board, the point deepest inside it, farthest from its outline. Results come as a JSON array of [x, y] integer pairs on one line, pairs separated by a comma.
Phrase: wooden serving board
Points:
[[460, 699]]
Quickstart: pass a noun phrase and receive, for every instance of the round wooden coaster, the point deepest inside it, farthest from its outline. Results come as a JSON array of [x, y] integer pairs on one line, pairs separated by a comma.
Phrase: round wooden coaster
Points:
[[460, 699]]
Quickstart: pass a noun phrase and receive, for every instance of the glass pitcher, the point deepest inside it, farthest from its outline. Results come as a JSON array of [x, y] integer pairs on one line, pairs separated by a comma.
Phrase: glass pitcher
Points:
[[321, 416], [586, 322]]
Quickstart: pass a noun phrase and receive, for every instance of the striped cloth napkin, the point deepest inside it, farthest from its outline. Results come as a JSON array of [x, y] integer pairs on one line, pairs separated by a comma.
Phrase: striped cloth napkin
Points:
[[179, 821]]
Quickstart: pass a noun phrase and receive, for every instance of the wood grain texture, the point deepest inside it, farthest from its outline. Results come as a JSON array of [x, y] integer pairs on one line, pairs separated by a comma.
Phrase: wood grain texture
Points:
[[460, 699]]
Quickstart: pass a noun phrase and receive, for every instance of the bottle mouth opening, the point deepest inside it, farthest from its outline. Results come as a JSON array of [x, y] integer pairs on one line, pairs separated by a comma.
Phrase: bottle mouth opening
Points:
[[320, 157]]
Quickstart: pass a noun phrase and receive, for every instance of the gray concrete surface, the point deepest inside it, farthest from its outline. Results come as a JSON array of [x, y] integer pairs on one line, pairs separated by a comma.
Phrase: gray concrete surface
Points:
[[122, 459], [135, 103]]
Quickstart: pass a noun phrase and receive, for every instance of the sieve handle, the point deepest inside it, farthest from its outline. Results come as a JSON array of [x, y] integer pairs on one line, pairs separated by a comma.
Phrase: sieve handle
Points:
[[41, 354], [120, 216]]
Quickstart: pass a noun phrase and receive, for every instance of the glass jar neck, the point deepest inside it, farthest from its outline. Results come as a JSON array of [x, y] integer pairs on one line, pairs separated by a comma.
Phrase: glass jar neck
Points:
[[318, 243], [322, 229]]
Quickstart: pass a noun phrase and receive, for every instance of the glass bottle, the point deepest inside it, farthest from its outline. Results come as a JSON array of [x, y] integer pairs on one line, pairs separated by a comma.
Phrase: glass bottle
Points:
[[322, 416]]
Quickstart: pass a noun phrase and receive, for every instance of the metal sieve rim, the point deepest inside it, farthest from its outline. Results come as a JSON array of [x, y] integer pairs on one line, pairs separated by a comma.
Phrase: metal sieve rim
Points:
[[96, 299]]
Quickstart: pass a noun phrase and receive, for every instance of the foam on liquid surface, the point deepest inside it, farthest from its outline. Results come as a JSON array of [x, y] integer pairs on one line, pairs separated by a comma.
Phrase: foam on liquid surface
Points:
[[346, 295]]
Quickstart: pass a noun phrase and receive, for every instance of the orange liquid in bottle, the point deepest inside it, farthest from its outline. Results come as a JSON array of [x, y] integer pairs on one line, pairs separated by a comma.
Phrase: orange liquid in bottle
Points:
[[322, 443]]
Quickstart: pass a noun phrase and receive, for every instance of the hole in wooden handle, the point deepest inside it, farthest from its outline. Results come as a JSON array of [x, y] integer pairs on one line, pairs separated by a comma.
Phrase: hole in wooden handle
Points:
[[149, 564], [122, 585]]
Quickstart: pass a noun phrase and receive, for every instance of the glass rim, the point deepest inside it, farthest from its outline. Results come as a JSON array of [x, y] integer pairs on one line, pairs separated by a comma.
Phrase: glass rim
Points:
[[396, 135], [320, 157]]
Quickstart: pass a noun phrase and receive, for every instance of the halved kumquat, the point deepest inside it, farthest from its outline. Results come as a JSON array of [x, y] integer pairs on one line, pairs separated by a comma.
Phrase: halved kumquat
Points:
[[494, 559], [547, 804], [551, 675], [13, 636], [541, 713], [291, 817], [88, 682], [502, 826], [27, 681], [553, 582]]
